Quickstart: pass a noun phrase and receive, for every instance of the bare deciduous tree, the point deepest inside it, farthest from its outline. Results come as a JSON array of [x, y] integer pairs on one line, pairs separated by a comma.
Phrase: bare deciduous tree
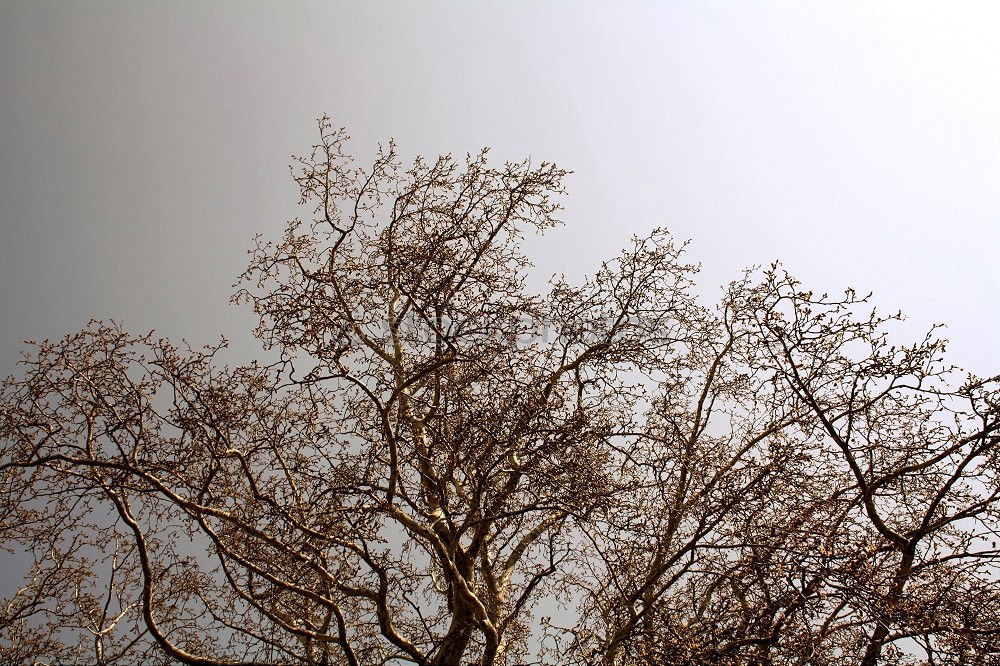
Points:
[[443, 468]]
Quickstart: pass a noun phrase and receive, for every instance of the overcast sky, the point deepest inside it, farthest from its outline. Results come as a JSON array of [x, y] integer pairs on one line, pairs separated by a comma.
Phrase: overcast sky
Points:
[[142, 145]]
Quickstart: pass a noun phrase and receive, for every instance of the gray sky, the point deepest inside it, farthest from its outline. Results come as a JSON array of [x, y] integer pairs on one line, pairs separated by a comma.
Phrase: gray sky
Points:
[[142, 145]]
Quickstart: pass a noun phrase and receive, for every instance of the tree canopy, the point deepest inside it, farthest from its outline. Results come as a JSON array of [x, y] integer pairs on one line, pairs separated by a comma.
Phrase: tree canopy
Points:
[[444, 468]]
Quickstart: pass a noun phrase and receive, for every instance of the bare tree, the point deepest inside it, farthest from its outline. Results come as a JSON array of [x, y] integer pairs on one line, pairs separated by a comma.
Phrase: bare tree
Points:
[[443, 468]]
